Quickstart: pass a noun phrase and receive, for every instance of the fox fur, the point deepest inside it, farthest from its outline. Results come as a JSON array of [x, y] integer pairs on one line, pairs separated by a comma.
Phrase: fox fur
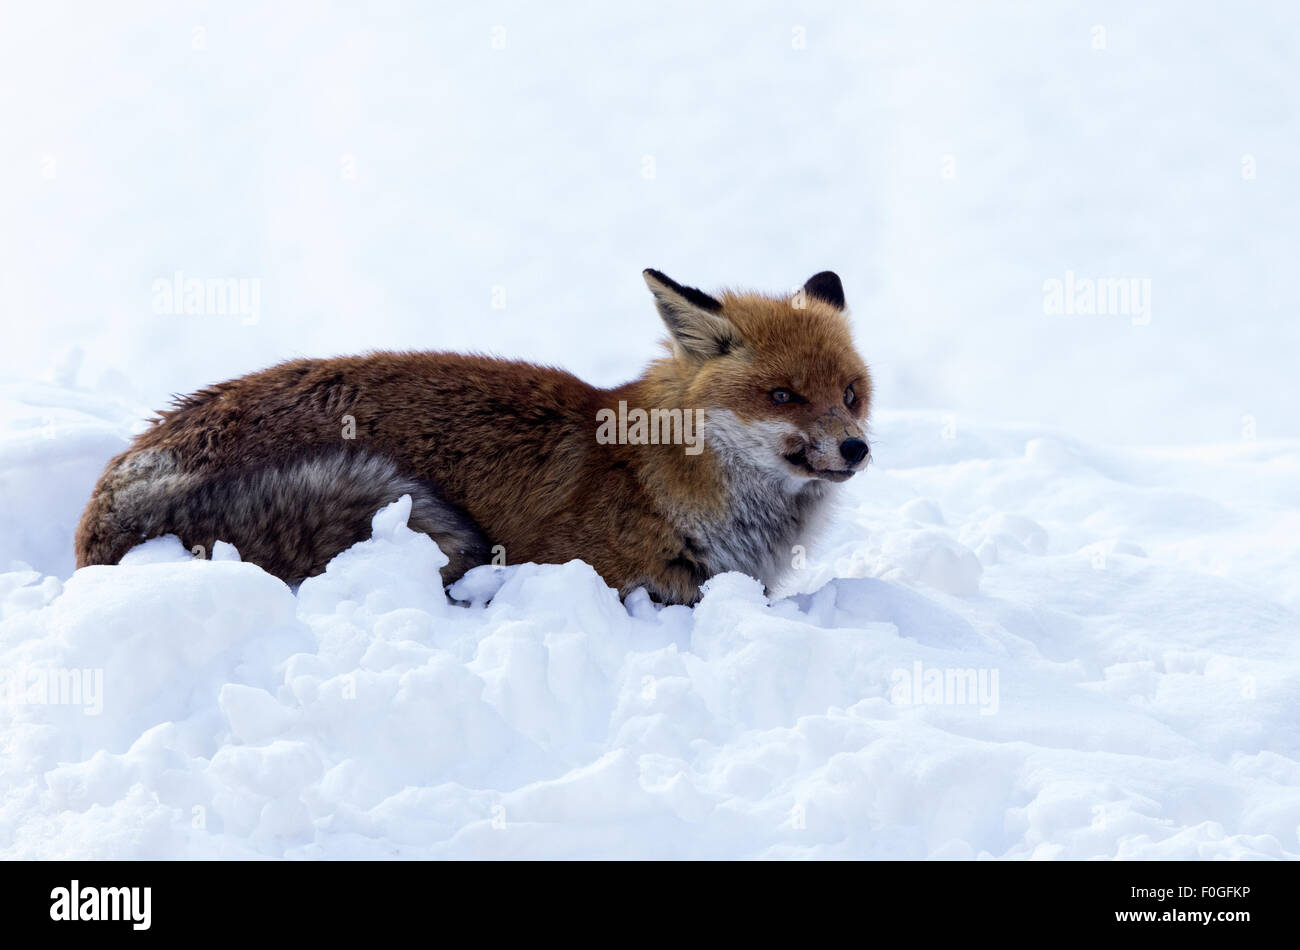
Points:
[[289, 464]]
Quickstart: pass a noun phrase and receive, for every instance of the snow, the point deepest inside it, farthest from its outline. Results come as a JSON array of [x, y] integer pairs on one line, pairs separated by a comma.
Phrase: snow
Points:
[[1056, 618], [1012, 644]]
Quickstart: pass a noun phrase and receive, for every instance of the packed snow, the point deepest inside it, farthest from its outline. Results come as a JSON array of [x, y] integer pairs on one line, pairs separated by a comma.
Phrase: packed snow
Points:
[[1057, 617], [1012, 644]]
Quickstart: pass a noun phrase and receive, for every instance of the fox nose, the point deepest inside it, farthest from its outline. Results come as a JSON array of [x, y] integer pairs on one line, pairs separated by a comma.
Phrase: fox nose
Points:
[[853, 450]]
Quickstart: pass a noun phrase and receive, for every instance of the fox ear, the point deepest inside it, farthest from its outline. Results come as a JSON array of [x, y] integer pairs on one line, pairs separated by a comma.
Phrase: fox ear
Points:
[[826, 286], [695, 319]]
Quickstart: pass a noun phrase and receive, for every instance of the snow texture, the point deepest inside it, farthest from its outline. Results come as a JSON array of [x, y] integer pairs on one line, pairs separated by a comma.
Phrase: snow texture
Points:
[[1012, 644]]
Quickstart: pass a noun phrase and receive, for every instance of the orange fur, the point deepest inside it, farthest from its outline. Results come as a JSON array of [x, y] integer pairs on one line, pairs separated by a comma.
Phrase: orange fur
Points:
[[513, 447]]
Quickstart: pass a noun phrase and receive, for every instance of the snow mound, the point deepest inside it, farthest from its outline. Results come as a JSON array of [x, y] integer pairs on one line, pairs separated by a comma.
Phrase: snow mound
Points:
[[1071, 696]]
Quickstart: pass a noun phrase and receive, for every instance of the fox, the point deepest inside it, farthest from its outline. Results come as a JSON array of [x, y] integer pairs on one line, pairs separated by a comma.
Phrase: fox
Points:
[[502, 458]]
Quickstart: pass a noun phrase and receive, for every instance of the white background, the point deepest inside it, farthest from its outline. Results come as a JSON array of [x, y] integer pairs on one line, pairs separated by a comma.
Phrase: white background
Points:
[[523, 168]]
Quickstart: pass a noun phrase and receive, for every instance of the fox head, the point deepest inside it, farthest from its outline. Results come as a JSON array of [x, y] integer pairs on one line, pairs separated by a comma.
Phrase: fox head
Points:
[[777, 377]]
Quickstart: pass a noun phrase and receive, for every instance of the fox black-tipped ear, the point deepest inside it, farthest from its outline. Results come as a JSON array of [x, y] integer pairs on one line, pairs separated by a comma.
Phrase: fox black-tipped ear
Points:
[[826, 286], [694, 319]]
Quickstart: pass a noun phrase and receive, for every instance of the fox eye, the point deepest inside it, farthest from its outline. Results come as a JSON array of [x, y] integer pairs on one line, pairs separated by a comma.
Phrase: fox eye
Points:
[[850, 396], [782, 396]]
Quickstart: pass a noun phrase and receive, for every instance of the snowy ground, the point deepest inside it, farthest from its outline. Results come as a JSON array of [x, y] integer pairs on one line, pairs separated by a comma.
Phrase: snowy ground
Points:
[[1114, 633], [1085, 527]]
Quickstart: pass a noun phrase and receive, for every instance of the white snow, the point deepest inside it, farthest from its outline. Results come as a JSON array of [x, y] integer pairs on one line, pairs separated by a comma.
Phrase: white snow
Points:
[[1117, 662], [1057, 617]]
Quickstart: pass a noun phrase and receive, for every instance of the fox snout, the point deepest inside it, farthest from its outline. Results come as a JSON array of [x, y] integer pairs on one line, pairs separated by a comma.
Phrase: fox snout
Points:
[[854, 450], [834, 449]]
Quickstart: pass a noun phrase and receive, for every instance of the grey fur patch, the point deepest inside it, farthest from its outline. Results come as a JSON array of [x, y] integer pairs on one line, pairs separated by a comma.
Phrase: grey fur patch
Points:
[[764, 522], [768, 511], [289, 519]]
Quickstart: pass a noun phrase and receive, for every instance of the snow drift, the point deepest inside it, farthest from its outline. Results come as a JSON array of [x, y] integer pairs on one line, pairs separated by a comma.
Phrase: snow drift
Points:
[[1011, 645]]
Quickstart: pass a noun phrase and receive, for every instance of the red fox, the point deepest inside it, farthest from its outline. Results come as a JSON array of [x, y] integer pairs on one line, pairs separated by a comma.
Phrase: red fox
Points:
[[721, 457]]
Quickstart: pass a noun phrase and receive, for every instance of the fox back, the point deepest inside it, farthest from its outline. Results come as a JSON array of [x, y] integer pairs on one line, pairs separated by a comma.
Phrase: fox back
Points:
[[722, 456]]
